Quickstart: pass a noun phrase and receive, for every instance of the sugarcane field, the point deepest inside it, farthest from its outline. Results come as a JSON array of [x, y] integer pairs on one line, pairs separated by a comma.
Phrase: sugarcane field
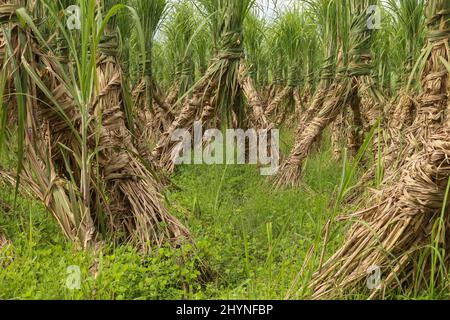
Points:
[[224, 150]]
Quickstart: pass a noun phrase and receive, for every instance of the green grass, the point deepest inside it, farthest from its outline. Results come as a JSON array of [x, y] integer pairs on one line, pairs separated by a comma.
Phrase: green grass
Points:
[[252, 239], [257, 238]]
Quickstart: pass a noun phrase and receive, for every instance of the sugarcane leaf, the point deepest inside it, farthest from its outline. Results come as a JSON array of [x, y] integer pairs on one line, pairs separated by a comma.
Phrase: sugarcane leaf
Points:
[[20, 87], [3, 107], [445, 63], [55, 105]]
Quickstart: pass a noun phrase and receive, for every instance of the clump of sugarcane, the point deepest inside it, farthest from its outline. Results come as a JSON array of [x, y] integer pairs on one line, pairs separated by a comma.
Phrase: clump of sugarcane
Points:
[[400, 113], [310, 59], [353, 66], [154, 113], [134, 192], [405, 229], [290, 38], [217, 95], [253, 73], [409, 19], [79, 158], [292, 47], [256, 50], [326, 17], [35, 167], [183, 51], [181, 33], [365, 105]]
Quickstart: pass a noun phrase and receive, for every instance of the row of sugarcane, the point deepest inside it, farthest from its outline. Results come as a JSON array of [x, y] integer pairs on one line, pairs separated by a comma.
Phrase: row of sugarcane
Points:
[[95, 109]]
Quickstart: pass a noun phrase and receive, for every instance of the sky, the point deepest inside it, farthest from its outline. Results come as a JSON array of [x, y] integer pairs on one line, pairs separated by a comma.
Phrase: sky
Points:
[[270, 7]]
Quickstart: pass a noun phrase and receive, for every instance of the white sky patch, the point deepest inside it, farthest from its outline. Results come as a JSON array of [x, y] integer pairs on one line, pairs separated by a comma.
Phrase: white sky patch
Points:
[[271, 8], [268, 8]]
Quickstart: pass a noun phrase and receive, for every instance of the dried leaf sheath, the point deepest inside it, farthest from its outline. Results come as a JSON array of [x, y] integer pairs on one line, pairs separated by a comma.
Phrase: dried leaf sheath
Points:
[[257, 117], [201, 97], [3, 241], [275, 104], [151, 122]]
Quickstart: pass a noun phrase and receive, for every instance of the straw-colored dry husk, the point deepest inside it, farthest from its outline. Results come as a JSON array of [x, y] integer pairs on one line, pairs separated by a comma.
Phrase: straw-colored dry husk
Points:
[[3, 241], [336, 98], [151, 121], [314, 107], [258, 118], [172, 95], [393, 148], [337, 127], [355, 126], [299, 108], [192, 107], [275, 104], [404, 112]]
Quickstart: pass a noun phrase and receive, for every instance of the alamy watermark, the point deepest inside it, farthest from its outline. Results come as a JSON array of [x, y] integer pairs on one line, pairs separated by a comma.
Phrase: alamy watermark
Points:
[[73, 279], [73, 17], [73, 13], [374, 278], [374, 17], [256, 147]]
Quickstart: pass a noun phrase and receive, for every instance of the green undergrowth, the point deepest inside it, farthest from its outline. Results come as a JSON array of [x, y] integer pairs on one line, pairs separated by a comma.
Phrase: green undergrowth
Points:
[[251, 241]]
